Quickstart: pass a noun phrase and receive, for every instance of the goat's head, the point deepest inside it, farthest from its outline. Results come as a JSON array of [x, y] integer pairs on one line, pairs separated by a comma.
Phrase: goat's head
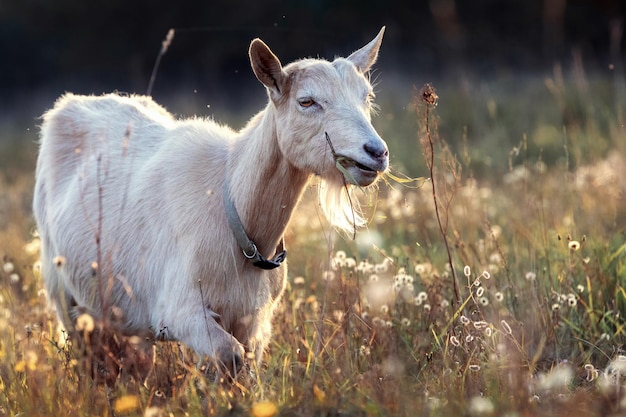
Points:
[[323, 113]]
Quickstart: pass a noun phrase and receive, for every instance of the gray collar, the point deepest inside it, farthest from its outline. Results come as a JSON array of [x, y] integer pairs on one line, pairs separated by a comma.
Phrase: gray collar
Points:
[[248, 247]]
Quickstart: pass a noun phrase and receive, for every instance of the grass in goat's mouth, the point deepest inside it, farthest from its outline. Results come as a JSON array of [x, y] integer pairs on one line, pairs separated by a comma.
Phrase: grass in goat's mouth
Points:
[[347, 163]]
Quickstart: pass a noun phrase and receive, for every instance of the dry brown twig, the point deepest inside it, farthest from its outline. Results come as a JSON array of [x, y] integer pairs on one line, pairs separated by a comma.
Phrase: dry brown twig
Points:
[[426, 100]]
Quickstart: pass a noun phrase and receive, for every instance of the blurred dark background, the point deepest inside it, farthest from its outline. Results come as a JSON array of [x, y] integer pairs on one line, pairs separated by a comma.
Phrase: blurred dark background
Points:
[[49, 47], [94, 46]]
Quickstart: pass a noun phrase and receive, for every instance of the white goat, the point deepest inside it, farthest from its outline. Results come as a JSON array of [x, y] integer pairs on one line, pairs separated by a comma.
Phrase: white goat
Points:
[[149, 222]]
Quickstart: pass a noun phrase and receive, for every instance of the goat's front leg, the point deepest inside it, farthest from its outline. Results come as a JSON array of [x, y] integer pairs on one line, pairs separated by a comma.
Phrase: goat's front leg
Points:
[[200, 330]]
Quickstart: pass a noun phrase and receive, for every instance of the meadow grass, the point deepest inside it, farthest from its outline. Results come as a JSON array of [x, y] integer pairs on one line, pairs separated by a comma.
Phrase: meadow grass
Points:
[[374, 326]]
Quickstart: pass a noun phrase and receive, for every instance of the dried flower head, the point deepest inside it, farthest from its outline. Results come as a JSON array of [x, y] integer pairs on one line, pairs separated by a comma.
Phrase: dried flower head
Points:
[[428, 95]]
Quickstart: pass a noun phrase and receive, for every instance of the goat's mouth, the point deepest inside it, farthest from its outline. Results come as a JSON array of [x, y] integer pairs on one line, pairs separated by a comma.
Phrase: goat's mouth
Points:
[[357, 173], [348, 163]]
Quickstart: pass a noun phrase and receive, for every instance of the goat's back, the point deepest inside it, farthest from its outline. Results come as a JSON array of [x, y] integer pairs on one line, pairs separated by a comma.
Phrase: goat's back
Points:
[[119, 180]]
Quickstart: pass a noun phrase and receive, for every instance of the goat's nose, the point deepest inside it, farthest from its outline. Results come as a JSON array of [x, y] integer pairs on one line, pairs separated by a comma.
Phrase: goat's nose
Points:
[[376, 150]]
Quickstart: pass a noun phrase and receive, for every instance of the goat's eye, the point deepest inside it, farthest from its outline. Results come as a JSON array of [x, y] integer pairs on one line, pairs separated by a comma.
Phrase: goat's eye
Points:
[[306, 102]]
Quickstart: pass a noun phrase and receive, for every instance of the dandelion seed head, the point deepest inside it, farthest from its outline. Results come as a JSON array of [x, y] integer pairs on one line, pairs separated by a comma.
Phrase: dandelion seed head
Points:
[[592, 372], [337, 264], [555, 307], [8, 267], [480, 291], [338, 315], [486, 275], [422, 296], [557, 378], [420, 269], [499, 296], [58, 261], [469, 338], [505, 326], [85, 323], [571, 301], [32, 247], [154, 411], [373, 278], [328, 276], [530, 276], [14, 278], [365, 267], [445, 304], [580, 288], [495, 258], [481, 324], [617, 365], [364, 350], [476, 282], [340, 255], [464, 320], [405, 322], [474, 368], [574, 245], [299, 281], [455, 341], [488, 331], [467, 271], [480, 406], [427, 307], [417, 301], [483, 301], [29, 362], [381, 268]]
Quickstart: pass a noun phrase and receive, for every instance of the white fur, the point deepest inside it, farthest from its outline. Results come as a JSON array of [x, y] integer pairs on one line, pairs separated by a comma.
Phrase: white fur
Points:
[[128, 200]]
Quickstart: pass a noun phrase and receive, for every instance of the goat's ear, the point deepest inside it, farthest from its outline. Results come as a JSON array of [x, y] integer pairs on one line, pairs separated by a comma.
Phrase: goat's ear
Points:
[[266, 66], [365, 57]]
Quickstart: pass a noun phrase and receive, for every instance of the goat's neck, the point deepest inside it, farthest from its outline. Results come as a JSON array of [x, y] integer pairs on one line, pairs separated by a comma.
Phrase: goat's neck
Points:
[[265, 187]]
